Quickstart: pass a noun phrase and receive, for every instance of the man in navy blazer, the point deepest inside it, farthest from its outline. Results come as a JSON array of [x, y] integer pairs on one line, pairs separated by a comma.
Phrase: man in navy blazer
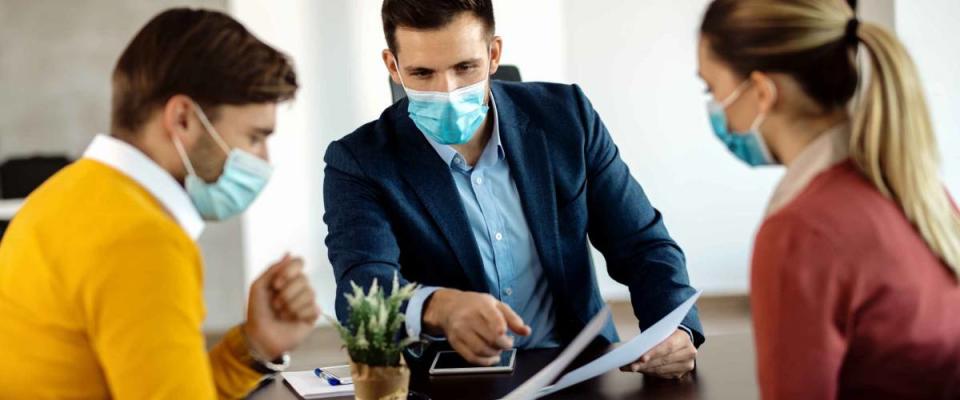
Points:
[[486, 194]]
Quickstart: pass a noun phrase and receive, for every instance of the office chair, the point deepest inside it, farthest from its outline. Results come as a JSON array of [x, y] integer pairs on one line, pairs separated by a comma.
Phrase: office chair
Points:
[[509, 73], [20, 176]]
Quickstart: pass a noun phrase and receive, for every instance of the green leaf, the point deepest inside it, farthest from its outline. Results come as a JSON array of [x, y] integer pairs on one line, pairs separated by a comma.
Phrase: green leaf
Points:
[[374, 322]]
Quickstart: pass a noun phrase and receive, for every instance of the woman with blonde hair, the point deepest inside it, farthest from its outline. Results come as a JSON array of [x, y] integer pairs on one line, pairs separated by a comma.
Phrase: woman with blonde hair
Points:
[[854, 276]]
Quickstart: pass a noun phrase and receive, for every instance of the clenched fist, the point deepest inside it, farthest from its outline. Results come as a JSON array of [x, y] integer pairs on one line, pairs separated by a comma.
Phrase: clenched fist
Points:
[[281, 311]]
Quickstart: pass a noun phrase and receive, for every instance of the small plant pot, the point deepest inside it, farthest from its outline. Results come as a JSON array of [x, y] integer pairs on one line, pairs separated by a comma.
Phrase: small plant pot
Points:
[[380, 383]]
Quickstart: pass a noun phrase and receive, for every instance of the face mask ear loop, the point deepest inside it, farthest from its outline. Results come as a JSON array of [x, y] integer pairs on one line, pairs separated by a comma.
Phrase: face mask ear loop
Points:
[[183, 156], [396, 63], [209, 127], [489, 69], [735, 95], [767, 154], [762, 117]]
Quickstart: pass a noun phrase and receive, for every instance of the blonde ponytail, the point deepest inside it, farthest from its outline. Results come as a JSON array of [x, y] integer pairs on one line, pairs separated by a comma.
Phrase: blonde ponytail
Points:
[[894, 145]]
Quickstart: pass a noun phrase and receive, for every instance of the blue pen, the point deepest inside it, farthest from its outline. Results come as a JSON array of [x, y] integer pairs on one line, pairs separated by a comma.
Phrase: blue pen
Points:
[[332, 380]]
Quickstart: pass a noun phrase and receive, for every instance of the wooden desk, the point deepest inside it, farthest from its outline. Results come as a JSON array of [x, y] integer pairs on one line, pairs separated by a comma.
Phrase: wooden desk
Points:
[[725, 370]]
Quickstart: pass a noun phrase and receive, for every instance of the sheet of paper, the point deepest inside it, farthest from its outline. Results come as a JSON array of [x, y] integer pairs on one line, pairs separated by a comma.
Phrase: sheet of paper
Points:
[[530, 388], [628, 352], [309, 386]]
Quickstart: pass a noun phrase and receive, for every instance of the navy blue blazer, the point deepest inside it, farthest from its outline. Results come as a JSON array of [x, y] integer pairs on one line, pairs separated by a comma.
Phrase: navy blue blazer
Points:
[[392, 205]]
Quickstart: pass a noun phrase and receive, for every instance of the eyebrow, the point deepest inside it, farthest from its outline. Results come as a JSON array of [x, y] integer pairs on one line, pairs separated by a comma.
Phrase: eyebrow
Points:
[[416, 69], [263, 131], [464, 62], [413, 70]]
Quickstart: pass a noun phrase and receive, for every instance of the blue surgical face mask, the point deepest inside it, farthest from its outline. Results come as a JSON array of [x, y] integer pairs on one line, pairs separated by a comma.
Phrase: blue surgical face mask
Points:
[[749, 146], [244, 177], [449, 118]]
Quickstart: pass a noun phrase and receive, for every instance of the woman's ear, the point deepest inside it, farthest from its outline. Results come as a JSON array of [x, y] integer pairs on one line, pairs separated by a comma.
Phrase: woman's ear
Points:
[[767, 92]]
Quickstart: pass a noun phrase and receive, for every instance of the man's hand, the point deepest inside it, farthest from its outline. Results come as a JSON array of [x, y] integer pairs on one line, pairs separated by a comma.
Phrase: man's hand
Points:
[[281, 311], [672, 359], [476, 324]]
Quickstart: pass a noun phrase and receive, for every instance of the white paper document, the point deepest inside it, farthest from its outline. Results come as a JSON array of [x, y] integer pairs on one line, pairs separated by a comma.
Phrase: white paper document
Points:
[[530, 388], [309, 386], [625, 353]]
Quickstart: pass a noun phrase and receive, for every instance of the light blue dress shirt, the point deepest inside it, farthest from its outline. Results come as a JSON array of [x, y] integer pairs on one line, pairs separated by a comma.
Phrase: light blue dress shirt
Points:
[[511, 264]]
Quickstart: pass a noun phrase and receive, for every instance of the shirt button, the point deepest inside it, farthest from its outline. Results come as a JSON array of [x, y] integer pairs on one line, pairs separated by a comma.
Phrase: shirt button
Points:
[[508, 292], [498, 236], [479, 180]]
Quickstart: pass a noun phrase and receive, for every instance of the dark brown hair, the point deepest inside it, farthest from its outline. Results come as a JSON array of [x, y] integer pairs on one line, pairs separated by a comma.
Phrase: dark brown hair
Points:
[[431, 14], [203, 54]]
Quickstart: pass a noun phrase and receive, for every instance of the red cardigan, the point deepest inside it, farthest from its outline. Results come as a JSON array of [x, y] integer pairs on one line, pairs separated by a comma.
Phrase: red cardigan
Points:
[[849, 302]]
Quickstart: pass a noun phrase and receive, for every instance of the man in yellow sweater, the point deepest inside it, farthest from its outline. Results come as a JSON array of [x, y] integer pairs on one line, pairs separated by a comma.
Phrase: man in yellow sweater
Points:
[[100, 275]]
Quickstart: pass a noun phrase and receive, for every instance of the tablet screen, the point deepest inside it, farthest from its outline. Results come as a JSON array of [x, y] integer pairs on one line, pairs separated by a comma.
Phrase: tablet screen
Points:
[[452, 360]]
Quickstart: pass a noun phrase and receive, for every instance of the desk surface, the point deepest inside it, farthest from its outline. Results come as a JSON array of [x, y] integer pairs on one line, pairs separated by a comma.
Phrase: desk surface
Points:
[[725, 370]]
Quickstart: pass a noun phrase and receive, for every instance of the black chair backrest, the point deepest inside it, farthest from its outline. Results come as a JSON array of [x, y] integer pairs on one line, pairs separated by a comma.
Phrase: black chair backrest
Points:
[[509, 73], [20, 176]]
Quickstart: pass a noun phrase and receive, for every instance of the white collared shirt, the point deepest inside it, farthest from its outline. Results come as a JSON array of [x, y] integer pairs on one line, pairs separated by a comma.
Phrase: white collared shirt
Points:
[[131, 162], [820, 155]]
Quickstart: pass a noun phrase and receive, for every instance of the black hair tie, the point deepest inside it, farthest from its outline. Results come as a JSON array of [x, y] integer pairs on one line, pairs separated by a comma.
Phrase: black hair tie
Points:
[[851, 36]]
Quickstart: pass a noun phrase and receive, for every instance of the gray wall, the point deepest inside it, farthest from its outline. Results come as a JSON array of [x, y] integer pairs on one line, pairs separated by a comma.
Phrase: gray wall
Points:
[[55, 62]]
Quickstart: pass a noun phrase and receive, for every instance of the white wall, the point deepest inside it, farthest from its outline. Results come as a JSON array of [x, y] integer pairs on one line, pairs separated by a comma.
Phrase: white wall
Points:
[[285, 217], [533, 38], [929, 29], [636, 60]]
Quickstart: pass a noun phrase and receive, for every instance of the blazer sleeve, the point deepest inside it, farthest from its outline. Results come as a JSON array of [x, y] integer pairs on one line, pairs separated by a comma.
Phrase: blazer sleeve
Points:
[[360, 242], [630, 232], [797, 298]]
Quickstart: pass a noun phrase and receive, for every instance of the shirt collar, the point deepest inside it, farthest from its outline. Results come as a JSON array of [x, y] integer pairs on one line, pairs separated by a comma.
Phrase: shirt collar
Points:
[[820, 155], [449, 155], [130, 161]]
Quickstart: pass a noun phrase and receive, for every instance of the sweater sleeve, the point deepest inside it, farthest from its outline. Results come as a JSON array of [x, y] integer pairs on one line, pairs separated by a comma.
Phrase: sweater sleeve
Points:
[[231, 369], [798, 298], [144, 311]]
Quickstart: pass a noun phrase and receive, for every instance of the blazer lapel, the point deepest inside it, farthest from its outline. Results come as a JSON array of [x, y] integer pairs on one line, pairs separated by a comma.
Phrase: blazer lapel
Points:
[[526, 151], [431, 180]]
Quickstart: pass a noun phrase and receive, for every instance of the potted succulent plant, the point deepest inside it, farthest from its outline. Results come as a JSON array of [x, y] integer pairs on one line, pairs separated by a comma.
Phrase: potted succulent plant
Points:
[[371, 338]]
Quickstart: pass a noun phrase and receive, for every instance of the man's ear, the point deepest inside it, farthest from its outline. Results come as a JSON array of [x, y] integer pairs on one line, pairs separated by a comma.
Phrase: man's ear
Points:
[[496, 51], [390, 61], [767, 92], [176, 119]]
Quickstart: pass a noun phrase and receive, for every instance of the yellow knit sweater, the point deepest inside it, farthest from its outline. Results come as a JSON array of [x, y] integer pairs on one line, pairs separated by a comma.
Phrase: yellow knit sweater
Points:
[[101, 296]]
